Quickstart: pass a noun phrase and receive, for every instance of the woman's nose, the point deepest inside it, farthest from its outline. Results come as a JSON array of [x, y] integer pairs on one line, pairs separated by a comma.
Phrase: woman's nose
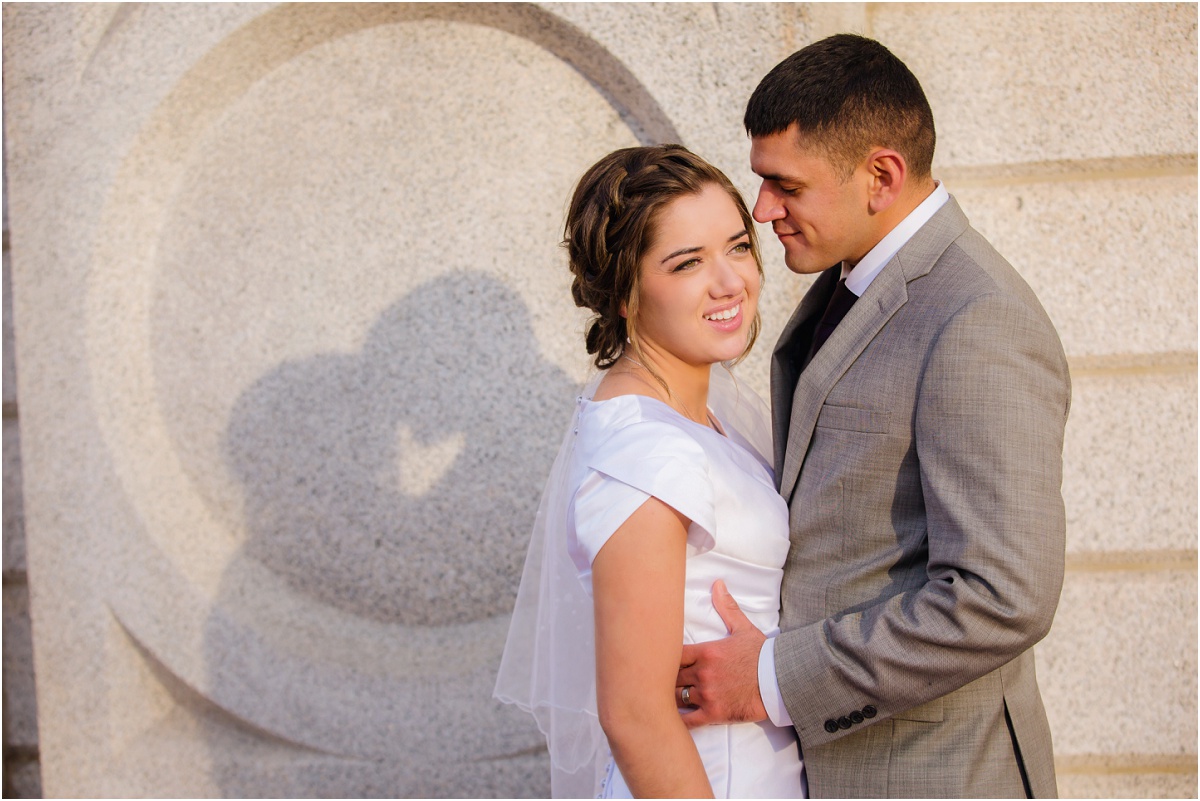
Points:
[[729, 279]]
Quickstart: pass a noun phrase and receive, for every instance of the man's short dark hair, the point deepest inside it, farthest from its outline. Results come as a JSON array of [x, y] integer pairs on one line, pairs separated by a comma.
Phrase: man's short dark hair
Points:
[[846, 94]]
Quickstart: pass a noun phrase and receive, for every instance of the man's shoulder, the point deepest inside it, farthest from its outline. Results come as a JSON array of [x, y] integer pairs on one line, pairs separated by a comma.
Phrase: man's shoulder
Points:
[[948, 240], [963, 270], [967, 264]]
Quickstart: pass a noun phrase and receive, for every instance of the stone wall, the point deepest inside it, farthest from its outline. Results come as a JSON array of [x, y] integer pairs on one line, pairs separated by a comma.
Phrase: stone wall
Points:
[[294, 343], [22, 778]]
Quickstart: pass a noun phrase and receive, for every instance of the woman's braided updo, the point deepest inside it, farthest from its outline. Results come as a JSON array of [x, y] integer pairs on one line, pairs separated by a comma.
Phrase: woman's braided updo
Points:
[[610, 226]]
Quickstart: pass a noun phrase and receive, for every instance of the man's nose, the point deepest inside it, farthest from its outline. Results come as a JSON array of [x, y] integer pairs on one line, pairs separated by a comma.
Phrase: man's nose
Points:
[[768, 207]]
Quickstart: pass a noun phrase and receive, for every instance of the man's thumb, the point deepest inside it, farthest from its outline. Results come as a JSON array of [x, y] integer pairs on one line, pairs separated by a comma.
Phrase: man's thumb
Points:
[[727, 607]]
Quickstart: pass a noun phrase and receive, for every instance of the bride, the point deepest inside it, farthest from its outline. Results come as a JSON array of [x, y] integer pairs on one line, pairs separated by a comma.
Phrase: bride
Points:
[[662, 485]]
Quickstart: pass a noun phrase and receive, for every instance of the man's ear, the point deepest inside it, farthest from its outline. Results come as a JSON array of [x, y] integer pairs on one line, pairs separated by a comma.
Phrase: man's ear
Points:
[[888, 173]]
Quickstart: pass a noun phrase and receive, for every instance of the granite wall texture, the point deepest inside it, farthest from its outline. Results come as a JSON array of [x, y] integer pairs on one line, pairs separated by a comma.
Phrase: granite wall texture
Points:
[[288, 342]]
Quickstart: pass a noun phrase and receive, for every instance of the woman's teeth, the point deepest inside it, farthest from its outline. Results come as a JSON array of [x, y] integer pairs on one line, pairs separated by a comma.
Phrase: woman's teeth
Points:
[[728, 314]]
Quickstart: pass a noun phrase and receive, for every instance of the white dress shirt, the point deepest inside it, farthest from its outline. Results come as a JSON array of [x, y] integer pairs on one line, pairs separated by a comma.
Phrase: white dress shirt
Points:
[[858, 278]]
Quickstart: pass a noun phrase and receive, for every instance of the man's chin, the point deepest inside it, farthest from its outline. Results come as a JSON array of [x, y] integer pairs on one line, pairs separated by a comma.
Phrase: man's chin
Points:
[[802, 266]]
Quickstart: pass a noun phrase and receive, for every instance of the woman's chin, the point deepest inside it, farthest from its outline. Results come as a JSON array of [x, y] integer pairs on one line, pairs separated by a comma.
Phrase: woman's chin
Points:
[[727, 354]]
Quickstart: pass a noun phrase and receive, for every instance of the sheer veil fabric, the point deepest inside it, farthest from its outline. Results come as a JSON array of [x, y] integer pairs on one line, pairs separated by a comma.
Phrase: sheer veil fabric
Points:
[[549, 664]]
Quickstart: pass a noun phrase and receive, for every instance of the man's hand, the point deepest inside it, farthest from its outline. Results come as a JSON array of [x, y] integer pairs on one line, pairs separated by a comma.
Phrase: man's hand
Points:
[[721, 676]]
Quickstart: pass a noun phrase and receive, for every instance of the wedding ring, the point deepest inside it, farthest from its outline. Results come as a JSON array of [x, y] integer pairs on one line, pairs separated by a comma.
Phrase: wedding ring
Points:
[[686, 696]]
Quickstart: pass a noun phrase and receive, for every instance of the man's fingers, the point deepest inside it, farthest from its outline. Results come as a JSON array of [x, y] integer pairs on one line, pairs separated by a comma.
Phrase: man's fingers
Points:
[[685, 677], [728, 608], [696, 718], [688, 667]]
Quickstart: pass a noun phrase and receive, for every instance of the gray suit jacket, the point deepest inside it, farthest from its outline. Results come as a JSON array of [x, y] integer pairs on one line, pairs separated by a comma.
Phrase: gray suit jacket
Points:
[[921, 455]]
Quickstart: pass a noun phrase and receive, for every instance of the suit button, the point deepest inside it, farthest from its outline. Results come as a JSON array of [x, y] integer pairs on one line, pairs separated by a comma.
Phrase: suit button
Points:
[[869, 711], [857, 717], [831, 726], [844, 723]]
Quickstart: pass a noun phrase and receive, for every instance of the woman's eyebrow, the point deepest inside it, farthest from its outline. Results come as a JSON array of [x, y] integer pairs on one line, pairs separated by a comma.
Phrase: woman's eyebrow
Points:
[[681, 252], [696, 249]]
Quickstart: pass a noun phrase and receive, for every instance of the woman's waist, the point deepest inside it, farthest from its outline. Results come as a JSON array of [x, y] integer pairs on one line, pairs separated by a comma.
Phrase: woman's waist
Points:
[[702, 622], [743, 737]]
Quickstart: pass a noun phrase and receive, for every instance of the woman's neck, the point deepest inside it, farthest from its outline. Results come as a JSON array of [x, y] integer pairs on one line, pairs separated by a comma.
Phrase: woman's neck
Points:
[[687, 385]]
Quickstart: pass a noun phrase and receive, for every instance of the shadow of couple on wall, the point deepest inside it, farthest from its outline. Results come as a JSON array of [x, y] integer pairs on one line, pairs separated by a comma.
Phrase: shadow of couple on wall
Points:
[[399, 482]]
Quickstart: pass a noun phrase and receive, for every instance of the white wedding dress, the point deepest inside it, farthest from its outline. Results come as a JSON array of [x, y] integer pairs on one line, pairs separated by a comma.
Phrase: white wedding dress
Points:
[[632, 447], [619, 453]]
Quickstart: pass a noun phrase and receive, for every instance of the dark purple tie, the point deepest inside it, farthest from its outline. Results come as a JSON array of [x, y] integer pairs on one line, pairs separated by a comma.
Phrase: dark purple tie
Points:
[[839, 304]]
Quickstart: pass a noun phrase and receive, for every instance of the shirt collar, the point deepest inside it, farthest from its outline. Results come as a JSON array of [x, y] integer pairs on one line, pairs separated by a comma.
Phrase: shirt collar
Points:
[[863, 273]]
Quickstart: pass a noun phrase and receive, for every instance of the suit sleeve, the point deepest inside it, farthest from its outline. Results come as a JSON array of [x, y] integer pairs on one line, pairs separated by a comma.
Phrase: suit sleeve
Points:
[[988, 433]]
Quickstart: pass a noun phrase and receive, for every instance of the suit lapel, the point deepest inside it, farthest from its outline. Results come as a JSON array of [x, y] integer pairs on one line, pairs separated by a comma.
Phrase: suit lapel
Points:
[[887, 293], [788, 358], [794, 422]]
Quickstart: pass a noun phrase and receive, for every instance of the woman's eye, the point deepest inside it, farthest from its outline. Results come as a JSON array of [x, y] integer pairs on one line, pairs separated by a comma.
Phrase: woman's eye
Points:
[[685, 265], [741, 247]]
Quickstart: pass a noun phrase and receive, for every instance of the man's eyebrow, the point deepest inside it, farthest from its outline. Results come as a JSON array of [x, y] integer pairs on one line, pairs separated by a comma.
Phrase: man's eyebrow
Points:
[[781, 179], [696, 249]]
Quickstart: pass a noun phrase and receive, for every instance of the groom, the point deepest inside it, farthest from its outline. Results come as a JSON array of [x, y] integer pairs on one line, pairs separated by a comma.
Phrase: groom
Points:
[[919, 398]]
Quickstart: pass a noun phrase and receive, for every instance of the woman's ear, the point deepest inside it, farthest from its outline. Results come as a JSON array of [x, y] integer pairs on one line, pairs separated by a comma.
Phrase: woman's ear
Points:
[[623, 311]]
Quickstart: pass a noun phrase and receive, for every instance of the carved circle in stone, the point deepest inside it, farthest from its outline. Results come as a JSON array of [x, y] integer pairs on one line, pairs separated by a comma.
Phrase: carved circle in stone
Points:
[[332, 349]]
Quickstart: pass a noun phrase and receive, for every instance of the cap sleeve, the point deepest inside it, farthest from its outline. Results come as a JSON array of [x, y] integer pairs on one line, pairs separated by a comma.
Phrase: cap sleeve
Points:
[[646, 459]]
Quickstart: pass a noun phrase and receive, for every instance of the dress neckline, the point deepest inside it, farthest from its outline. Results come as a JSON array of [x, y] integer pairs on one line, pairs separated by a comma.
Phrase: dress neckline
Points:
[[717, 426]]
